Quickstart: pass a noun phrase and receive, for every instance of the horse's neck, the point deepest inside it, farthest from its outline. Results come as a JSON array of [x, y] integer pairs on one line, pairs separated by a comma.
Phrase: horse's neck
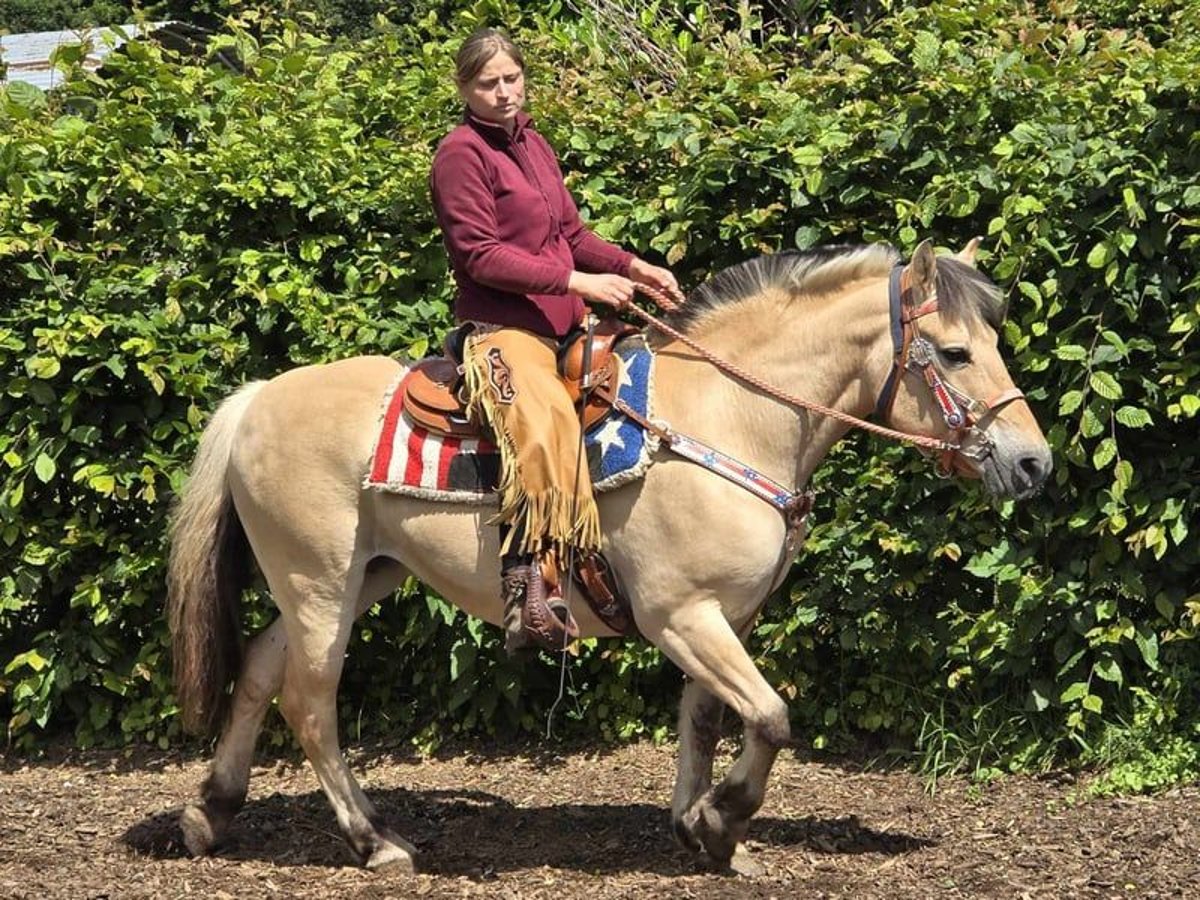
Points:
[[822, 352]]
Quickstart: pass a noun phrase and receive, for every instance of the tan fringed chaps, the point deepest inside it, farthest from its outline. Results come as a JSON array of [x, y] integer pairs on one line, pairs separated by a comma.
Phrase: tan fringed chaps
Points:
[[545, 494]]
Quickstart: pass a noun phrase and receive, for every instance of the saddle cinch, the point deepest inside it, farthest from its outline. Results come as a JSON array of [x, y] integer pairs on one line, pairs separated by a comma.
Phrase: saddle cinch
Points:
[[432, 395], [433, 388]]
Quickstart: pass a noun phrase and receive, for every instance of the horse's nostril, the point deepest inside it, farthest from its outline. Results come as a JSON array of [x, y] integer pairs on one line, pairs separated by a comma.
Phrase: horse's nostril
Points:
[[1035, 467]]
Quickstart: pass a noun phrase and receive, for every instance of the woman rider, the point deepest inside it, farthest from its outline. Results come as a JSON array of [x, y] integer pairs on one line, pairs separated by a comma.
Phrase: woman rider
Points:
[[524, 263]]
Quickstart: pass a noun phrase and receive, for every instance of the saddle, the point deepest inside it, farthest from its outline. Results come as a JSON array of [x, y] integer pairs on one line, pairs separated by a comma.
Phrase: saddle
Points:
[[434, 397], [433, 389]]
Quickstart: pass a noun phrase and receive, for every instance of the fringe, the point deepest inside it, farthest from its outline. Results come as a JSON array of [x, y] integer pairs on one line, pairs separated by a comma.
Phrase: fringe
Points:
[[550, 520]]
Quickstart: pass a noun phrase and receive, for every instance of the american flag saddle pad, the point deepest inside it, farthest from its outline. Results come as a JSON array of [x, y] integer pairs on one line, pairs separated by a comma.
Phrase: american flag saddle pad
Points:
[[411, 460]]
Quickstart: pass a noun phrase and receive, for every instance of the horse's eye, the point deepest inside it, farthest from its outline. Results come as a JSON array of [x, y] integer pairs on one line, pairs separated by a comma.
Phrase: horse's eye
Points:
[[955, 356]]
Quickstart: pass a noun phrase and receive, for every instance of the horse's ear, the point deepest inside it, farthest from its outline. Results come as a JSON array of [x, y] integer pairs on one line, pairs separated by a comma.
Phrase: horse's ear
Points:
[[924, 273], [967, 254]]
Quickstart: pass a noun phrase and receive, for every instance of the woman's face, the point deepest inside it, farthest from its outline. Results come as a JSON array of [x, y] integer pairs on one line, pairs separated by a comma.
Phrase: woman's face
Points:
[[497, 92]]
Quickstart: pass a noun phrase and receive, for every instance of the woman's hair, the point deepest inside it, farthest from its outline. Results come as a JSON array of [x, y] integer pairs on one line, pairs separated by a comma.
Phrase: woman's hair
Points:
[[481, 46]]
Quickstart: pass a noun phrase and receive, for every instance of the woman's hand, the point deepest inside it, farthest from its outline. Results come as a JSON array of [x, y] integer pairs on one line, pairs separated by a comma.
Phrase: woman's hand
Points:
[[610, 290], [654, 276]]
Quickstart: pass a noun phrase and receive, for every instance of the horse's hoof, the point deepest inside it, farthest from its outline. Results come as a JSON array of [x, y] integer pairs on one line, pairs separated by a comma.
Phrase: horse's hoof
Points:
[[744, 864], [705, 825], [198, 834], [394, 854]]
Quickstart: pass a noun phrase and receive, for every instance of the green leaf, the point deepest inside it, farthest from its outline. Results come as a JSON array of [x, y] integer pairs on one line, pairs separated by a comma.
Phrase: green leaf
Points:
[[1147, 643], [30, 658], [44, 468], [806, 236], [806, 156], [1100, 255], [1069, 402], [1104, 453], [1133, 417], [1039, 694], [805, 615], [1164, 606], [1071, 352], [1074, 692], [1109, 670], [926, 51], [43, 367], [1105, 385], [1123, 474], [24, 95], [462, 659], [1090, 424]]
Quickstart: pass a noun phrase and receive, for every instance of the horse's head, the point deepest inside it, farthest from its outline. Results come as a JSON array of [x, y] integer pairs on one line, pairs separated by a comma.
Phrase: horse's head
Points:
[[949, 380]]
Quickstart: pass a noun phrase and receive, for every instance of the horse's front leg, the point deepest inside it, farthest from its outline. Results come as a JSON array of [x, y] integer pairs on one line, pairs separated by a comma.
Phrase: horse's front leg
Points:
[[700, 715], [700, 641]]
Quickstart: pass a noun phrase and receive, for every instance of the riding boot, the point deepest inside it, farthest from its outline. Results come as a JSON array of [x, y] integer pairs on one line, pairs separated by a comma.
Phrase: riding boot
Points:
[[516, 585], [534, 615]]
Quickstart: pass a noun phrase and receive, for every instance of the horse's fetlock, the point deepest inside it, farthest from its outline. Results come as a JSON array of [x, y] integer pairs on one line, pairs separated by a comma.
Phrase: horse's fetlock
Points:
[[222, 800], [364, 839], [684, 835], [737, 800]]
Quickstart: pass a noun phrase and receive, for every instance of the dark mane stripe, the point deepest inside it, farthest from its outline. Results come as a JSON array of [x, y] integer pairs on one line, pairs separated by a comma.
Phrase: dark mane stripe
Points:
[[962, 290]]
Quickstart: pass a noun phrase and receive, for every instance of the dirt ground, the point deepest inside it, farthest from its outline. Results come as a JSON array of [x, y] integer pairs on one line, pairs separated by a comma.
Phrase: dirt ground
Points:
[[541, 821]]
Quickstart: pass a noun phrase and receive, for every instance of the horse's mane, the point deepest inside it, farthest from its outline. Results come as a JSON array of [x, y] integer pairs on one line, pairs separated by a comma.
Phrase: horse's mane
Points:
[[963, 292]]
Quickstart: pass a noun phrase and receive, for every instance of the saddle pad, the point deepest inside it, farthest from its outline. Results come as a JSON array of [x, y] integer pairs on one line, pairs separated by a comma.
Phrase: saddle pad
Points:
[[411, 460]]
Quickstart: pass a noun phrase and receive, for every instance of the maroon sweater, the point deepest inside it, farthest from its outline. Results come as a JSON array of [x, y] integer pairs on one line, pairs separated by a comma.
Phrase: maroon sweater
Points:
[[512, 229]]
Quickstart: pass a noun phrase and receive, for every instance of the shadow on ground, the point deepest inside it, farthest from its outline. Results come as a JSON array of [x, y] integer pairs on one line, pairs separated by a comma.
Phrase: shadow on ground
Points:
[[473, 833]]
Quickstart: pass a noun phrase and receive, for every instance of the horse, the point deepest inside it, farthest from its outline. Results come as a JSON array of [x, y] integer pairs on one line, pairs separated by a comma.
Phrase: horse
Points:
[[279, 474]]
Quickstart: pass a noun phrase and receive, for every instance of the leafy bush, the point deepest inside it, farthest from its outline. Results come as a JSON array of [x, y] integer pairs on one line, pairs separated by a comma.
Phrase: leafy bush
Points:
[[171, 230]]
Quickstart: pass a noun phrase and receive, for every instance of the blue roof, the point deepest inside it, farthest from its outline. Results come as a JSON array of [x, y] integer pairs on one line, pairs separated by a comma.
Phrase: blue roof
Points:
[[27, 56]]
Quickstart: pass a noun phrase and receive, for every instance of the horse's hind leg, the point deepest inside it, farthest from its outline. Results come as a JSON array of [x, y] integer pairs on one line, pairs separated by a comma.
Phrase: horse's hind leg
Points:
[[224, 790], [318, 622], [700, 715], [699, 640]]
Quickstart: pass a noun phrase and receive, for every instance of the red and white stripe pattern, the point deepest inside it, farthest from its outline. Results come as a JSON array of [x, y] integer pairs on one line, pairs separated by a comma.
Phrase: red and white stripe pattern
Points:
[[411, 460]]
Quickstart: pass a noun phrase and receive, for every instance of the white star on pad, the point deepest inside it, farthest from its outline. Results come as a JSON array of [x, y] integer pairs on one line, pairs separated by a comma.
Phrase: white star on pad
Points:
[[625, 378], [609, 436]]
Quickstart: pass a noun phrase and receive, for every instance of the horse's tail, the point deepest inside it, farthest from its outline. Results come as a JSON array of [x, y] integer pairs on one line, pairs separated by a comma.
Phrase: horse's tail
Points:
[[209, 565]]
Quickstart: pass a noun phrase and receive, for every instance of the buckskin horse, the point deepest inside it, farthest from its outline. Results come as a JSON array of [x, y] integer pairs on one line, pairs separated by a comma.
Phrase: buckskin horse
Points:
[[279, 471]]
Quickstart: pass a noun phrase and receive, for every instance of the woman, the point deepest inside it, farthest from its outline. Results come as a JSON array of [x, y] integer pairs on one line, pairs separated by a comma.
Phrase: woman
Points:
[[524, 263]]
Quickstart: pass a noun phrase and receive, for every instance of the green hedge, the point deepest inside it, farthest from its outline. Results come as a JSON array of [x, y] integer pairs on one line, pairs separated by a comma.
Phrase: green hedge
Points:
[[171, 230]]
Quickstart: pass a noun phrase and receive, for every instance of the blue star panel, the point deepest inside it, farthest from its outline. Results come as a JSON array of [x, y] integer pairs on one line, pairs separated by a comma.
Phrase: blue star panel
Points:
[[618, 450]]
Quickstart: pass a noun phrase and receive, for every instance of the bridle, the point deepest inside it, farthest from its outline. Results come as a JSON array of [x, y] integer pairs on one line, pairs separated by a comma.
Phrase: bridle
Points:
[[962, 413]]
